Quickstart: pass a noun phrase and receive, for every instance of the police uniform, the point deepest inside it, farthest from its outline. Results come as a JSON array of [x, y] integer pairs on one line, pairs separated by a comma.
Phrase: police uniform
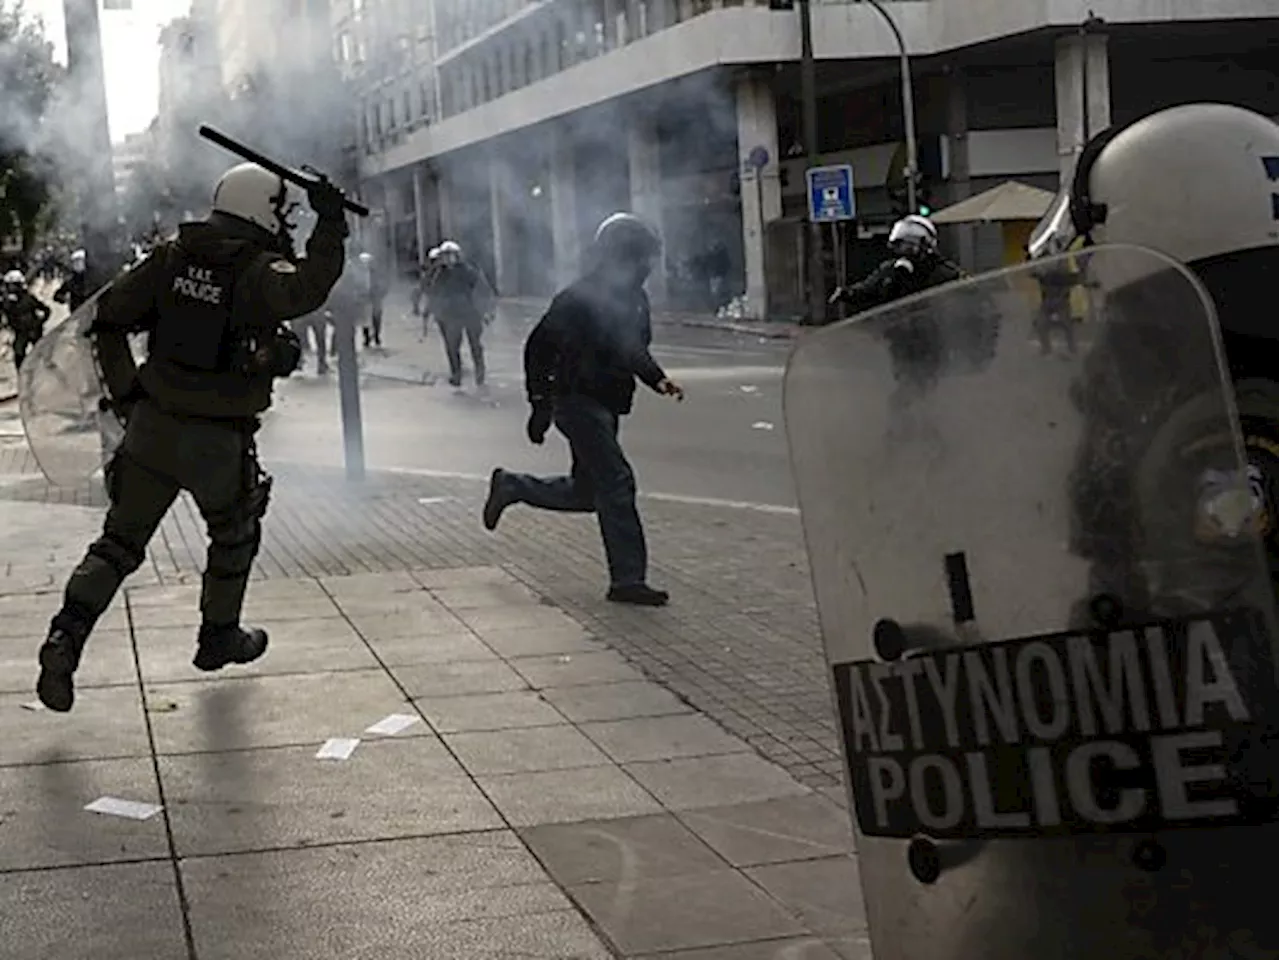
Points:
[[454, 289], [73, 291], [213, 303], [25, 315]]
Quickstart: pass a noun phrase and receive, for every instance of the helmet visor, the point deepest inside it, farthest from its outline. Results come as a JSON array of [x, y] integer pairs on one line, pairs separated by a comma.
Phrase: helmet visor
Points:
[[1055, 232]]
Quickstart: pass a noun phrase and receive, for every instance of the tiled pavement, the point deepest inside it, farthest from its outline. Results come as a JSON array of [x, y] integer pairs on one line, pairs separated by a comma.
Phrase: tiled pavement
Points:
[[740, 641], [551, 801]]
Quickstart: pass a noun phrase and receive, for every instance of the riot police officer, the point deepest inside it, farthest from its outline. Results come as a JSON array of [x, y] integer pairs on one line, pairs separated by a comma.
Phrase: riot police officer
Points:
[[74, 290], [23, 313], [214, 302], [460, 300], [914, 263], [1213, 210], [581, 364]]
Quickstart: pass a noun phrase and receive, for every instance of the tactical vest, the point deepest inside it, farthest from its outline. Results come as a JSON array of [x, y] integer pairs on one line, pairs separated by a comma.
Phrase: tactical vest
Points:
[[199, 327]]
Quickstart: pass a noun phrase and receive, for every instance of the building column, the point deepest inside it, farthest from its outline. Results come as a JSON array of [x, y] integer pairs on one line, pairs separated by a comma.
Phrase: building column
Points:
[[564, 211], [444, 201], [420, 212], [645, 172], [499, 198], [959, 187], [1080, 62], [761, 193]]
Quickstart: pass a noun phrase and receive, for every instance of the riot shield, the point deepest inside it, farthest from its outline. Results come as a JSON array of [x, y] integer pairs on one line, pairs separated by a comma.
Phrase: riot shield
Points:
[[59, 397], [1049, 618]]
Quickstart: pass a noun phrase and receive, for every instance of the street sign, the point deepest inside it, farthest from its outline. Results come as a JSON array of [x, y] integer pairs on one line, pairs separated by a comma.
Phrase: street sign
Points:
[[831, 193]]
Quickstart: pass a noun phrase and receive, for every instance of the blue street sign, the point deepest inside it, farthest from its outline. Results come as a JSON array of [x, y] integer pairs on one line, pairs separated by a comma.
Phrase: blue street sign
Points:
[[831, 193]]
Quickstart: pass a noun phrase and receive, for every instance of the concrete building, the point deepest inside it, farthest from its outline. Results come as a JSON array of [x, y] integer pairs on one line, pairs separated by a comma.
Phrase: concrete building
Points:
[[515, 126], [191, 93], [286, 96], [128, 155]]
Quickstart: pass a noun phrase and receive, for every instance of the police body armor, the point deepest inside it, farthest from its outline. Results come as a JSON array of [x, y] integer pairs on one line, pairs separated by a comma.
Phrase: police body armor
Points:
[[1050, 625], [202, 329]]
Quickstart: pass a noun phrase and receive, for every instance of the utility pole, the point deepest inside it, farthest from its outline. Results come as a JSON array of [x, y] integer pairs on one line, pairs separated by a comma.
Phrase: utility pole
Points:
[[96, 190], [817, 296], [908, 107]]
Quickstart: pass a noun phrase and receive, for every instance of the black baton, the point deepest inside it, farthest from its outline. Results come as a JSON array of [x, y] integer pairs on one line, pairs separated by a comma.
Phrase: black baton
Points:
[[281, 171]]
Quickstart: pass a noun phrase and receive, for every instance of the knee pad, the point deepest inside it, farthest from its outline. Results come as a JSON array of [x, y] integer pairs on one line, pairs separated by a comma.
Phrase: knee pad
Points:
[[121, 557]]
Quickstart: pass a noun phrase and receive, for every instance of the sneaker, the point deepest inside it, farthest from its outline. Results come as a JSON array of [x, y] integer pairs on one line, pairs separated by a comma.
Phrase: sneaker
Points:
[[639, 594], [219, 646], [59, 657], [497, 501]]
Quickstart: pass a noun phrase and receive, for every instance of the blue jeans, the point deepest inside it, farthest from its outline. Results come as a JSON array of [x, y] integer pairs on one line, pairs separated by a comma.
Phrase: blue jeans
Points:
[[600, 481]]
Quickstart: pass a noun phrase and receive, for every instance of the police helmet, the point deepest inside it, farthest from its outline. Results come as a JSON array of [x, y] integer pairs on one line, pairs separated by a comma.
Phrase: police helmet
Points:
[[77, 258], [15, 278], [914, 234], [433, 253], [1196, 182], [625, 237], [251, 193], [366, 257]]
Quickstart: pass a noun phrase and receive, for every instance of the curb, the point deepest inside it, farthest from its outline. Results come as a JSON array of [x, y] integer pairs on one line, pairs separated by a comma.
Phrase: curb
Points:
[[765, 329]]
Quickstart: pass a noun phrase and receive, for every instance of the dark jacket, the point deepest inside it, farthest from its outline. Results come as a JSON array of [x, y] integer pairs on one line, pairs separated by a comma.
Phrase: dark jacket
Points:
[[73, 291], [592, 342], [270, 290], [888, 282], [23, 313], [455, 290]]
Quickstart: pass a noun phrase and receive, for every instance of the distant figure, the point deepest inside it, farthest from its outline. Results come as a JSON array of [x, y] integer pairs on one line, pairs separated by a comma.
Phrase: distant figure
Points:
[[375, 280], [22, 313]]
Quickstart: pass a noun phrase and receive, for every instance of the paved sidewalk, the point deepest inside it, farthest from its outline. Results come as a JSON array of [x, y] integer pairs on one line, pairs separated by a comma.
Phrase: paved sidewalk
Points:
[[548, 800], [740, 640]]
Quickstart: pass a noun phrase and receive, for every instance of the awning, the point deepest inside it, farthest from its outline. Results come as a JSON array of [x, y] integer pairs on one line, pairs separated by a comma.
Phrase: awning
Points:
[[1011, 200]]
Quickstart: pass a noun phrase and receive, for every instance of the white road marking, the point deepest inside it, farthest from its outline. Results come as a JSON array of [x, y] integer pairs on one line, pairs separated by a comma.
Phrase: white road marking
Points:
[[772, 508]]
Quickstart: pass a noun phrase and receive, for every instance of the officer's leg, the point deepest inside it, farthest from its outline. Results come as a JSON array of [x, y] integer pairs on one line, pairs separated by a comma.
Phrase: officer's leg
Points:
[[232, 493], [20, 346], [452, 332], [475, 330], [139, 498], [377, 323]]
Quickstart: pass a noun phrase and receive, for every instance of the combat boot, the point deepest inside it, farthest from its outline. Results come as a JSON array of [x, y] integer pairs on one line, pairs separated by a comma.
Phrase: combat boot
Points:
[[59, 658], [219, 646]]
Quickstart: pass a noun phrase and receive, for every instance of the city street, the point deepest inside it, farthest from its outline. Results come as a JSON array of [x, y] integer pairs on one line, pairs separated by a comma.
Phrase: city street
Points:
[[725, 442]]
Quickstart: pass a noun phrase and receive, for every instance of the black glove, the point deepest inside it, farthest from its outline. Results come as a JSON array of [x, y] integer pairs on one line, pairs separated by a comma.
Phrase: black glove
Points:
[[539, 423], [326, 201]]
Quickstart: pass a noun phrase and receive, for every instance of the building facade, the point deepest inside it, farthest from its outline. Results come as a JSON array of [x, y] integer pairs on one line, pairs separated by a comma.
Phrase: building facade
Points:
[[514, 126]]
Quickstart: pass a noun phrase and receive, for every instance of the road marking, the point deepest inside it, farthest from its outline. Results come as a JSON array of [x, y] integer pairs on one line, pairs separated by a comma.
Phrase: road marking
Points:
[[771, 508]]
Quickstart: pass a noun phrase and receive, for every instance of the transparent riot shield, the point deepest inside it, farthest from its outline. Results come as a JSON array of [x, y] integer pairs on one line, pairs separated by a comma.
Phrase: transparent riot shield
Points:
[[60, 391], [1049, 617]]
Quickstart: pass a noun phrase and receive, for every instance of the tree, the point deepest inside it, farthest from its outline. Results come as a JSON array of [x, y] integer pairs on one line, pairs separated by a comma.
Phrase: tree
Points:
[[28, 76]]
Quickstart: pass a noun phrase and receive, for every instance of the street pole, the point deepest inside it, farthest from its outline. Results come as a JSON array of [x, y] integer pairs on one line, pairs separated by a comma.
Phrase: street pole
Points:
[[817, 296], [96, 189], [344, 343], [908, 105]]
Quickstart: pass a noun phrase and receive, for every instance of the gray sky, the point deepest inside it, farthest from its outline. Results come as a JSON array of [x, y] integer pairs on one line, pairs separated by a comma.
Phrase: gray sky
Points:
[[130, 55]]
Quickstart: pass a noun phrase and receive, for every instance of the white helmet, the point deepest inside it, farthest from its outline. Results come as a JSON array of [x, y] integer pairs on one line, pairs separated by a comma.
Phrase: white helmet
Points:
[[251, 193], [1193, 181], [433, 253], [914, 231], [77, 258], [448, 247], [16, 278], [366, 257]]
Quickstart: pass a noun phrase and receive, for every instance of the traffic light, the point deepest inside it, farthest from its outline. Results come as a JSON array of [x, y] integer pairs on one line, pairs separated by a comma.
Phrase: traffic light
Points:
[[924, 195]]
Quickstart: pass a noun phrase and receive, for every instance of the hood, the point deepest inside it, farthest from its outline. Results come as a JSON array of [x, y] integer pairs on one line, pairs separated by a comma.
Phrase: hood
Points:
[[221, 239]]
